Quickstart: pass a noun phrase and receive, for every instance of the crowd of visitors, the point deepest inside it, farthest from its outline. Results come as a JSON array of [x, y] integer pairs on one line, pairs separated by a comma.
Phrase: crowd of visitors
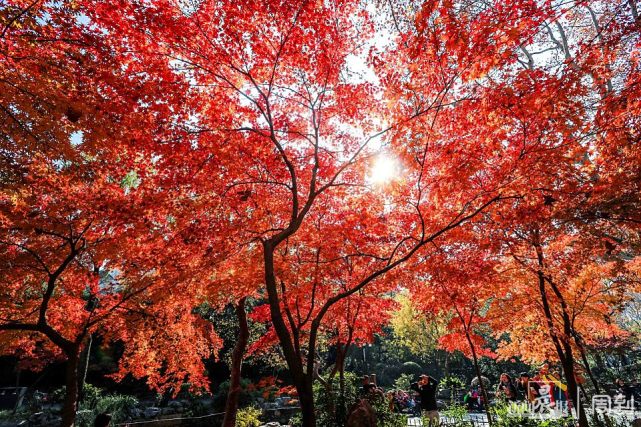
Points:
[[546, 385]]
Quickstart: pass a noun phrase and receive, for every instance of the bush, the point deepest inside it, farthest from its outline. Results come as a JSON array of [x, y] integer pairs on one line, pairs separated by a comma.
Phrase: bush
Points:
[[455, 412], [403, 382], [331, 407], [90, 396], [120, 407], [451, 382], [385, 417], [412, 368], [95, 402], [503, 417], [296, 420], [58, 395], [248, 417], [605, 421]]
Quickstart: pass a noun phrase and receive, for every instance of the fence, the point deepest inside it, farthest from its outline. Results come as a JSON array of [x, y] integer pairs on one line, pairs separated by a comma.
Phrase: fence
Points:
[[204, 421], [211, 420], [474, 420]]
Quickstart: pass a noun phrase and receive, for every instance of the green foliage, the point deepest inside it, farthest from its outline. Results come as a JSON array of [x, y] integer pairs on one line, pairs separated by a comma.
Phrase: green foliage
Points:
[[605, 421], [90, 396], [403, 382], [130, 181], [95, 402], [58, 395], [332, 407], [248, 417], [450, 382], [118, 405], [9, 417], [296, 420], [385, 417], [455, 413], [412, 368], [505, 417]]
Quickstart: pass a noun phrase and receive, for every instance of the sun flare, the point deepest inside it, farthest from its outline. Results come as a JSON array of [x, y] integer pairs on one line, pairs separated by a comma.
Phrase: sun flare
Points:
[[384, 170]]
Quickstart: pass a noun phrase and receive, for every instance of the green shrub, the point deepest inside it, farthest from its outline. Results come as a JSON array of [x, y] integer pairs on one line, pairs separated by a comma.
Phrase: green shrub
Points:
[[385, 417], [455, 412], [58, 395], [403, 382], [248, 417], [119, 406], [11, 417], [450, 382], [95, 402], [296, 420], [605, 421], [90, 396], [506, 417], [331, 407], [412, 368]]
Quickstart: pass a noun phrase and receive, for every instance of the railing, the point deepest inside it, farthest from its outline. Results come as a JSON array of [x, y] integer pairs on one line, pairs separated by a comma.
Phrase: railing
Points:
[[204, 420], [475, 420], [208, 420]]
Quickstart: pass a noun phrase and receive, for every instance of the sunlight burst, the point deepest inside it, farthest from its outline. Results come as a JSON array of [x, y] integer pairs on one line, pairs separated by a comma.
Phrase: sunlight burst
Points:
[[384, 170]]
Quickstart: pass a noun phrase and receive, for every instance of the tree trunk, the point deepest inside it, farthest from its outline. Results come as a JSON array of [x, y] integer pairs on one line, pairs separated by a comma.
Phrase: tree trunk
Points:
[[561, 343], [573, 389], [70, 405], [302, 380], [342, 414], [306, 399], [83, 379], [586, 363], [446, 364], [475, 359], [231, 405]]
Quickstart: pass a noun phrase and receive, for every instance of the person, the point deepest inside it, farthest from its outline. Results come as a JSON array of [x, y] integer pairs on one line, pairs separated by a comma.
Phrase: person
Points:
[[401, 401], [102, 420], [426, 387], [560, 390], [472, 399], [361, 414], [636, 391], [367, 386], [528, 390], [506, 389], [622, 389]]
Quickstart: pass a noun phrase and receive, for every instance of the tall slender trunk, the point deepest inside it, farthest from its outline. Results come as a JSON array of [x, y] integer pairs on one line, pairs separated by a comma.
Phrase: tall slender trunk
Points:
[[477, 368], [70, 405], [302, 380], [586, 363], [231, 406], [83, 379], [341, 415], [561, 343], [573, 389], [446, 364]]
